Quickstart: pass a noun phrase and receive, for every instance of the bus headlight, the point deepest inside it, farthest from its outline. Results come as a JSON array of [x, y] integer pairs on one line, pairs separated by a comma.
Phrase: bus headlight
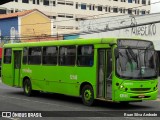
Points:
[[121, 86]]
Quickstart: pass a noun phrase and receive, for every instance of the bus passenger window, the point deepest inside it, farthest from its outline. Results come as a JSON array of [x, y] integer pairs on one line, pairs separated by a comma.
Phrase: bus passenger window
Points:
[[7, 55], [85, 55], [67, 55], [34, 55], [50, 55]]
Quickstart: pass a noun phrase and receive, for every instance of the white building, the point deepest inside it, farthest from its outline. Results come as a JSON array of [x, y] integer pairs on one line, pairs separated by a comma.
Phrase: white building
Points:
[[66, 13], [142, 26]]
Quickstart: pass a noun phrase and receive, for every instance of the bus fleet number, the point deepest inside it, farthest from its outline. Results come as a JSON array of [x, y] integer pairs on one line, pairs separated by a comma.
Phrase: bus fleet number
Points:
[[73, 77]]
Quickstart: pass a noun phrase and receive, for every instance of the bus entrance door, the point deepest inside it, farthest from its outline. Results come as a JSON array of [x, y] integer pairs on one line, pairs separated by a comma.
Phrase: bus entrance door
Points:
[[17, 66], [104, 87]]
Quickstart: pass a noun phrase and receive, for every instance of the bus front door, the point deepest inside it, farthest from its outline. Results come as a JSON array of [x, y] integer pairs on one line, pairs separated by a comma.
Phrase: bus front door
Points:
[[17, 66], [104, 89]]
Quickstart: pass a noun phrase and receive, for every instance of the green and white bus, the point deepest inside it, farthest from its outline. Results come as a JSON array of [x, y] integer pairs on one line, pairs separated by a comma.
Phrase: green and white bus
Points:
[[111, 69]]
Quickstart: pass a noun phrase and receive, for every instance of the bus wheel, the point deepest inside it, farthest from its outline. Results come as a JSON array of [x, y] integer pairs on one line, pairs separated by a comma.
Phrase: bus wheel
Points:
[[87, 95], [27, 87]]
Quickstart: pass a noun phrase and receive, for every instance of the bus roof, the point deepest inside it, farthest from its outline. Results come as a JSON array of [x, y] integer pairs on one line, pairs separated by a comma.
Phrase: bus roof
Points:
[[68, 42]]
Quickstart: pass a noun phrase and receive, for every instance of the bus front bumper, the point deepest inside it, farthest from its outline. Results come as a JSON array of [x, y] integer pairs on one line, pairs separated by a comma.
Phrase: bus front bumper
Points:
[[124, 96]]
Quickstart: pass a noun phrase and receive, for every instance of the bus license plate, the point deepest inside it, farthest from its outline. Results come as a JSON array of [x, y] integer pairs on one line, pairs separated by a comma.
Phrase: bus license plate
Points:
[[141, 96]]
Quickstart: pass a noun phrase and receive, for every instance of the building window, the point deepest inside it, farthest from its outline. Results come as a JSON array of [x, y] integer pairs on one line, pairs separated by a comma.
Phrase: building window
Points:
[[69, 27], [137, 12], [143, 12], [52, 17], [83, 6], [67, 55], [123, 0], [61, 27], [37, 2], [90, 7], [25, 1], [54, 26], [62, 2], [109, 9], [69, 3], [76, 5], [16, 0], [69, 15], [124, 10], [34, 1], [115, 10], [120, 9], [99, 8], [34, 55], [7, 55], [3, 11], [85, 55], [106, 8], [16, 10], [144, 2], [93, 7], [12, 11], [61, 15], [129, 1], [149, 2], [52, 3], [129, 11], [46, 2], [50, 55]]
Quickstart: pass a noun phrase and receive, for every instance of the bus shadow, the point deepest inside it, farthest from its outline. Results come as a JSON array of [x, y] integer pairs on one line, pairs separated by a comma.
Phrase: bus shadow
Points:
[[77, 100], [119, 106]]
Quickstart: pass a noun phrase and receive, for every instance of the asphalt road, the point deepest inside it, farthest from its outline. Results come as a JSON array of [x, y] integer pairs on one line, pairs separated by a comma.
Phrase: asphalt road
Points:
[[63, 107]]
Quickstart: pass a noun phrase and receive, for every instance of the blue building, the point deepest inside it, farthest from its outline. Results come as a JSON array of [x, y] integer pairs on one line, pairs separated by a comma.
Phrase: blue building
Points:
[[8, 28]]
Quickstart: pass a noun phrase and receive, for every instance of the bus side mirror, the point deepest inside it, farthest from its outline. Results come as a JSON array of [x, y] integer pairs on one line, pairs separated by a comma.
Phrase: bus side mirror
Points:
[[116, 52]]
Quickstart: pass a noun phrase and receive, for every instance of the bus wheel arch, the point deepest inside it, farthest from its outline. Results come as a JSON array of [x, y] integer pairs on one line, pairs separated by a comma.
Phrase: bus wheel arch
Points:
[[87, 93]]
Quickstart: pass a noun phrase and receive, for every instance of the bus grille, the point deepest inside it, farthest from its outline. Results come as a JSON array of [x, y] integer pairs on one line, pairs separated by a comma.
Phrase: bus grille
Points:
[[140, 89]]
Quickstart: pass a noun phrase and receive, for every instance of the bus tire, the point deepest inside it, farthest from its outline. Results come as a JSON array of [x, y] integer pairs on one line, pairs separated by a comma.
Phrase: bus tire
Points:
[[87, 95], [27, 87]]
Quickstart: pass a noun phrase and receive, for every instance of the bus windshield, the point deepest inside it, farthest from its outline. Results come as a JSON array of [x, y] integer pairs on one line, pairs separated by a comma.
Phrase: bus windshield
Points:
[[136, 63]]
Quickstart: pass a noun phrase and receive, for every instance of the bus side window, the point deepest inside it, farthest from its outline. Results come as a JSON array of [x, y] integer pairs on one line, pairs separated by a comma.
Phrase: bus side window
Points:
[[50, 55], [7, 55], [85, 55], [34, 55], [67, 55]]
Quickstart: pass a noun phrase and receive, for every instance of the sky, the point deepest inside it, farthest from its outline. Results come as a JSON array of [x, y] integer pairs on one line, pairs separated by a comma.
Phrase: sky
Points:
[[155, 7]]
